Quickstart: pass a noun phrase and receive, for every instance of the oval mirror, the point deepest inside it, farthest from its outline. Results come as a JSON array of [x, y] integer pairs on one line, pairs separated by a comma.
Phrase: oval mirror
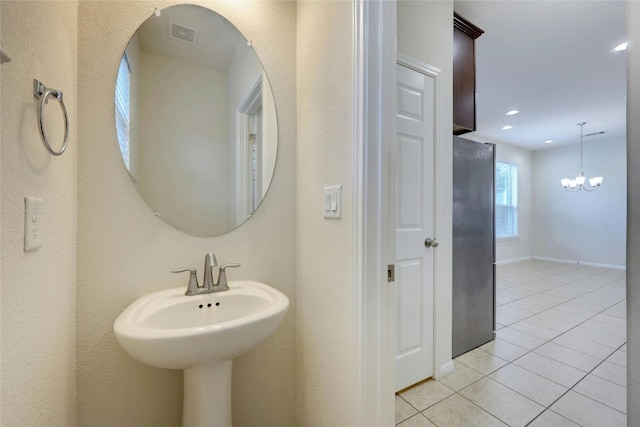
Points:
[[196, 120]]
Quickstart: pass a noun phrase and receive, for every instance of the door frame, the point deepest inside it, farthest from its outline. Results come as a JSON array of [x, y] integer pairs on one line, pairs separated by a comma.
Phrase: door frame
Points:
[[374, 77], [374, 106], [432, 72], [249, 105]]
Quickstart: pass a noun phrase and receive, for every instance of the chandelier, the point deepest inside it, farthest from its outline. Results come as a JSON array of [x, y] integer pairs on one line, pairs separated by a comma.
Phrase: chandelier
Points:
[[578, 183]]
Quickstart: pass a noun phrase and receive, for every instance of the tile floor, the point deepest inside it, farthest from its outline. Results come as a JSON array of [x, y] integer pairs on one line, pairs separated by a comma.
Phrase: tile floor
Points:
[[559, 358]]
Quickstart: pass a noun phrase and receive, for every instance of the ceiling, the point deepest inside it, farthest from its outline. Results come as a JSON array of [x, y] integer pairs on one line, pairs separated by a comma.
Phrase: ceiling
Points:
[[552, 61]]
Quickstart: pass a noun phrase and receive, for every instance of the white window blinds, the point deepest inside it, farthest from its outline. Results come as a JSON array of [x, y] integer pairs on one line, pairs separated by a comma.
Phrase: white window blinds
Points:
[[123, 108], [506, 200]]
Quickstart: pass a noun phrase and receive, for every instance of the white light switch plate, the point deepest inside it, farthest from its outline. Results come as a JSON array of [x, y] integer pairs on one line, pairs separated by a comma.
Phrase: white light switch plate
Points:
[[32, 219], [333, 201]]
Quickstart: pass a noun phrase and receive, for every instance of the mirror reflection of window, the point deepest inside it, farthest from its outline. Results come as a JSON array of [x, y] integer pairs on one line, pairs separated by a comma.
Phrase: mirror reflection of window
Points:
[[123, 109]]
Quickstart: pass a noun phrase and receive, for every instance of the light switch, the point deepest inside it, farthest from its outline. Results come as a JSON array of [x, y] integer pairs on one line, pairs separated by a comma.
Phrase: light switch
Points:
[[32, 220], [333, 201]]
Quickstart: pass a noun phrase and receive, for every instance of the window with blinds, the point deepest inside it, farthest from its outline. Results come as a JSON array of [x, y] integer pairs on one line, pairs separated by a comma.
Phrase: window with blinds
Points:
[[506, 200], [123, 109]]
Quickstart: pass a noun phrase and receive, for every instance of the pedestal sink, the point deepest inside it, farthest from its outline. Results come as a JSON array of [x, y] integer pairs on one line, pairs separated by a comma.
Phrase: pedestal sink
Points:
[[201, 334]]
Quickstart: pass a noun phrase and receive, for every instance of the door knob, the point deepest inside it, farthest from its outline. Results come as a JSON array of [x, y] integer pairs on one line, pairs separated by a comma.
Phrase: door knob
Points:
[[431, 243]]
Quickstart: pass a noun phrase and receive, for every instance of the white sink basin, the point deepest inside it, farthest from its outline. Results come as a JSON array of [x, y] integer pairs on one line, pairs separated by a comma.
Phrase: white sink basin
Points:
[[167, 329]]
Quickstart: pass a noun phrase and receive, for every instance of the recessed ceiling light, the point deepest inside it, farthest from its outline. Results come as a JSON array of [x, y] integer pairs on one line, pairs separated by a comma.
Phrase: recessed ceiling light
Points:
[[512, 112], [620, 47], [548, 141], [507, 127]]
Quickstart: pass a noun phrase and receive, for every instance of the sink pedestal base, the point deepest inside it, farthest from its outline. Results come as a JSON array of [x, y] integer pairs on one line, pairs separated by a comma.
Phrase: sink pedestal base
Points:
[[207, 395]]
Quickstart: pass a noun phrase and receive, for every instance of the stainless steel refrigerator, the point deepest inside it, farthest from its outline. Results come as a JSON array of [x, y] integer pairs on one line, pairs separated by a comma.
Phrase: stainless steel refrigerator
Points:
[[473, 244]]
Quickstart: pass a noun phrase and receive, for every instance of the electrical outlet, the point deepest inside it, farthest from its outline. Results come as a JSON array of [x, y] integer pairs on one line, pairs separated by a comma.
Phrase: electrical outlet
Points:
[[32, 219]]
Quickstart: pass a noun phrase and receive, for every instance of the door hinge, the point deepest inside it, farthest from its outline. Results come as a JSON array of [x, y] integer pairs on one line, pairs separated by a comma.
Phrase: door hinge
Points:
[[391, 273]]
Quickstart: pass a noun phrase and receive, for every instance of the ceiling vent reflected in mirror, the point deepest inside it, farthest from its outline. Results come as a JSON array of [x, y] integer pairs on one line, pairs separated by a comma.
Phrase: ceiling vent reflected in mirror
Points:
[[183, 33]]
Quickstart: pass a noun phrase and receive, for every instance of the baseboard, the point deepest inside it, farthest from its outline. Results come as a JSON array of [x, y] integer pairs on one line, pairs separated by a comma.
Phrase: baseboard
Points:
[[445, 369], [514, 260], [583, 263]]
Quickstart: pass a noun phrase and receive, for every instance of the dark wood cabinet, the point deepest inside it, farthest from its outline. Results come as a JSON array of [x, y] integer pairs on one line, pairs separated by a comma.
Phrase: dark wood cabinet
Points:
[[464, 75]]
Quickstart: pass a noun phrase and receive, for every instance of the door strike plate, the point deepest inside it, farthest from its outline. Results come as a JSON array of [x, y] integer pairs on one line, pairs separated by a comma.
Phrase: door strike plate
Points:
[[391, 273]]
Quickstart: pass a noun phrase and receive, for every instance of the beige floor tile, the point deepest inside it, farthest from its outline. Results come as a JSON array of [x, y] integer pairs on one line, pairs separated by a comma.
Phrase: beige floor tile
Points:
[[514, 312], [550, 369], [536, 330], [418, 420], [553, 321], [561, 268], [528, 384], [612, 372], [501, 300], [617, 274], [570, 314], [520, 339], [504, 349], [587, 412], [504, 284], [426, 394], [566, 291], [550, 419], [596, 336], [502, 402], [573, 276], [531, 308], [619, 358], [568, 356], [519, 277], [584, 314], [504, 319], [603, 391], [541, 285], [585, 346], [403, 409], [589, 303], [606, 328], [546, 301], [619, 310], [516, 293], [611, 320], [456, 411], [611, 294], [481, 361], [461, 377]]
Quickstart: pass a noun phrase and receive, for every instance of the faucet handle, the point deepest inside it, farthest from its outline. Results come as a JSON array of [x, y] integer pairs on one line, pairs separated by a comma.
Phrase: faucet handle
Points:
[[193, 285], [222, 276]]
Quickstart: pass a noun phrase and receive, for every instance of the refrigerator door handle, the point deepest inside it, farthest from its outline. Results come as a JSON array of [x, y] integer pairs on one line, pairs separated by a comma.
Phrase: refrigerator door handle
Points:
[[431, 243]]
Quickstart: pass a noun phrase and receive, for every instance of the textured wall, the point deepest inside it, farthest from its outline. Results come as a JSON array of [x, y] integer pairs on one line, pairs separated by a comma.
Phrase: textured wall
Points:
[[325, 395], [633, 213], [196, 118], [566, 225], [38, 288], [125, 252]]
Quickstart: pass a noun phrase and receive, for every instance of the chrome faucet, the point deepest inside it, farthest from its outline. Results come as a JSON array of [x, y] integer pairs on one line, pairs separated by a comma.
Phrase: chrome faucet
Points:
[[209, 262], [208, 285]]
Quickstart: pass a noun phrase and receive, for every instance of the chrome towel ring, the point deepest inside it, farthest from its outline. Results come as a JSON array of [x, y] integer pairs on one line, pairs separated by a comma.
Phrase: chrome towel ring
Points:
[[42, 93]]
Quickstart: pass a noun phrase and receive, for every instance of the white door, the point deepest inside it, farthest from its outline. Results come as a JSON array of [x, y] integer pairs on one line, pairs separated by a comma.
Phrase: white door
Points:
[[414, 223]]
